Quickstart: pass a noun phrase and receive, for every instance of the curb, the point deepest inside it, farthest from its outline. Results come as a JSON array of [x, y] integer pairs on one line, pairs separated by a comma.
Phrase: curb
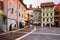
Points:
[[26, 34]]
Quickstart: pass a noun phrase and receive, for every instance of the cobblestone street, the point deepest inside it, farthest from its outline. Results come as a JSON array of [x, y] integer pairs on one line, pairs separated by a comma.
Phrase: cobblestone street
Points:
[[44, 34], [14, 35]]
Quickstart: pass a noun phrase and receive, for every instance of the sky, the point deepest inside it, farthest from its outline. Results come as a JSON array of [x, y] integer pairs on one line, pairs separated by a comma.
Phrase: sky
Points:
[[36, 3]]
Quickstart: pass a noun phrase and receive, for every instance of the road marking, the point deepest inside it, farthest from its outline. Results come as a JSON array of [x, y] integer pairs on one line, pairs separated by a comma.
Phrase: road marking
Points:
[[47, 33], [26, 34]]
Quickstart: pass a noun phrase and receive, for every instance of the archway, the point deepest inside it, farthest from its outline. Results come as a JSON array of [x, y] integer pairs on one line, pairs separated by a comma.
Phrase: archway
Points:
[[47, 25], [10, 27]]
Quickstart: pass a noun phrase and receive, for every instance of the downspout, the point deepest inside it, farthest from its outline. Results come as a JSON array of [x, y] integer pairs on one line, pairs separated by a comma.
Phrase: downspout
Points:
[[7, 28], [17, 14]]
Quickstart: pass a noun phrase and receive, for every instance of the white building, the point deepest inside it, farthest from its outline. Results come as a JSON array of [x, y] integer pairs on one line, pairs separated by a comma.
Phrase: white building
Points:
[[47, 14]]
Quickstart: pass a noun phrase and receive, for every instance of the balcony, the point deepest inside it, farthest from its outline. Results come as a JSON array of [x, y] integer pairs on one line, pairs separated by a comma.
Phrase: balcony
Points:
[[56, 15], [56, 19]]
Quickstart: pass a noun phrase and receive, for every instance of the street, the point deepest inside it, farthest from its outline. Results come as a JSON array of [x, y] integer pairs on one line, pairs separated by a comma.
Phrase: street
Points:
[[15, 34], [44, 34]]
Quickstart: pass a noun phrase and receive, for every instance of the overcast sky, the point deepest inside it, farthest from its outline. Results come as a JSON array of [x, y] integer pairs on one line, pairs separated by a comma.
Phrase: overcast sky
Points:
[[36, 3]]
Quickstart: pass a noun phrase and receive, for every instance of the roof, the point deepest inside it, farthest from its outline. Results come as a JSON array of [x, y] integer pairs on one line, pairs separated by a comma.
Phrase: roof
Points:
[[23, 4], [57, 7], [47, 4], [37, 9]]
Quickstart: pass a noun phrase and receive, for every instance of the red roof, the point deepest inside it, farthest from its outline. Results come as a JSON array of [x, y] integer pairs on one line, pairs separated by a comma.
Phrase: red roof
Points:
[[57, 7], [47, 4]]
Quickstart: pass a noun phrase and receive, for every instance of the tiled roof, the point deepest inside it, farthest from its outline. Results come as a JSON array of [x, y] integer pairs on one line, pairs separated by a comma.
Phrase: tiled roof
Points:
[[57, 7], [47, 4]]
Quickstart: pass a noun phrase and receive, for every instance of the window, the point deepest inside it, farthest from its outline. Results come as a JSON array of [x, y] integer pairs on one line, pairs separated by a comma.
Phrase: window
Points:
[[22, 16], [47, 19], [43, 14], [51, 14], [22, 8], [47, 14], [19, 14], [43, 19], [31, 15], [1, 5], [15, 25], [12, 10], [51, 19], [19, 5]]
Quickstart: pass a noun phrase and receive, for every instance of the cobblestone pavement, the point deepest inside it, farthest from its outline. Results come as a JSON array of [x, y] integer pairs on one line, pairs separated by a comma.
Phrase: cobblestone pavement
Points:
[[48, 30], [14, 35], [41, 37], [39, 34], [11, 36]]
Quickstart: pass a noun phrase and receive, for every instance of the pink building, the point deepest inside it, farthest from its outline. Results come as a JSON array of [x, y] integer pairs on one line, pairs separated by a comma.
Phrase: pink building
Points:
[[14, 9]]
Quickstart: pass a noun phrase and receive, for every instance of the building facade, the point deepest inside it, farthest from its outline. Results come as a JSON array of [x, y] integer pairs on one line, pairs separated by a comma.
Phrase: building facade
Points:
[[37, 15], [14, 10], [47, 14], [57, 15]]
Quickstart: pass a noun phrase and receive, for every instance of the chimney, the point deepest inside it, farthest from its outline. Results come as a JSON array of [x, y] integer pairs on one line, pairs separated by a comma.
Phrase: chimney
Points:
[[30, 6]]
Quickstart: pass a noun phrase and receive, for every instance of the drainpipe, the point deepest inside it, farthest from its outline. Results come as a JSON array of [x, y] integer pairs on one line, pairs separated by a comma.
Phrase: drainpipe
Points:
[[17, 14], [7, 28]]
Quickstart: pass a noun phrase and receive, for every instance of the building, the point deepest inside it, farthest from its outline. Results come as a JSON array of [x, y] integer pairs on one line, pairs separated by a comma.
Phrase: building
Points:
[[37, 15], [57, 15], [47, 14], [22, 12], [30, 12], [14, 10]]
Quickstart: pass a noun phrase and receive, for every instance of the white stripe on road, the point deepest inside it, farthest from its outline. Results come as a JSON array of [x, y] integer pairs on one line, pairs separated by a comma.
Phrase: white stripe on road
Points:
[[26, 34], [47, 33]]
